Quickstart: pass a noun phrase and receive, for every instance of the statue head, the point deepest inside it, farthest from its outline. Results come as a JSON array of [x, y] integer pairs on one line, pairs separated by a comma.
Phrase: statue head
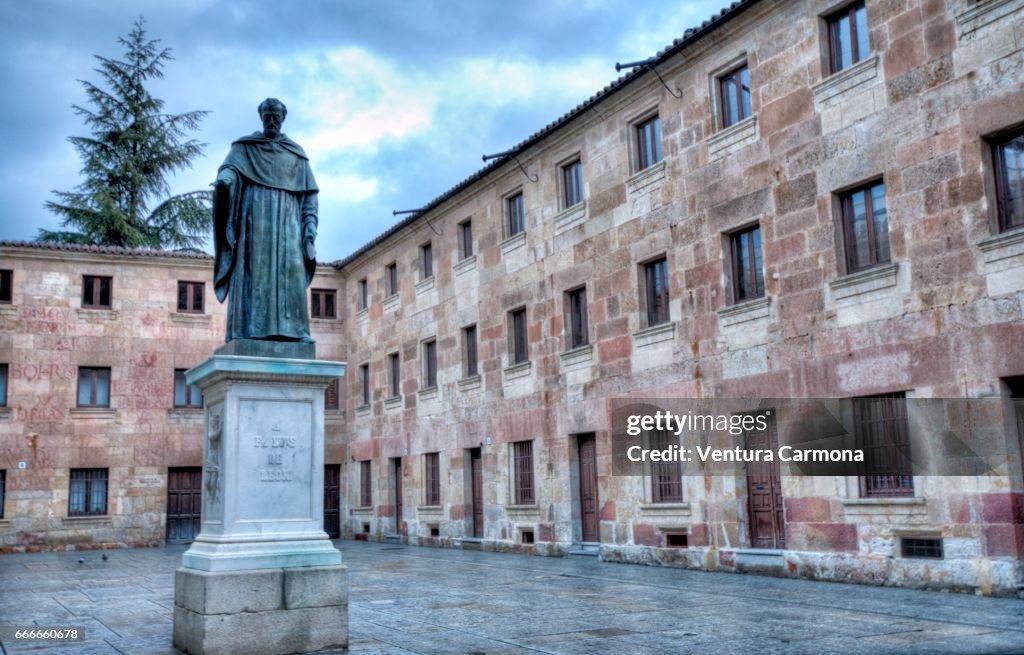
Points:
[[272, 113]]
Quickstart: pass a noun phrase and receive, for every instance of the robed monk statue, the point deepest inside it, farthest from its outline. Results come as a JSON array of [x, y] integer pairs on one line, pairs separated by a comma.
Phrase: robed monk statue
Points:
[[265, 220]]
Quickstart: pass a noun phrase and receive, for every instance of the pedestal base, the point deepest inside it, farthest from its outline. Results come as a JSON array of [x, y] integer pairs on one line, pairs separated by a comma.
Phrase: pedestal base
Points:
[[209, 554], [261, 611]]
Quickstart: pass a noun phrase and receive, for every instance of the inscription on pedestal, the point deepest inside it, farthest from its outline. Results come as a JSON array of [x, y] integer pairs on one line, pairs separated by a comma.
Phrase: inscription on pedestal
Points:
[[275, 464]]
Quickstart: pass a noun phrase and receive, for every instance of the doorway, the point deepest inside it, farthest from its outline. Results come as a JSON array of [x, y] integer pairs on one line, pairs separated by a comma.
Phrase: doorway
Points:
[[476, 491], [184, 504], [396, 476], [587, 451], [332, 500], [764, 492]]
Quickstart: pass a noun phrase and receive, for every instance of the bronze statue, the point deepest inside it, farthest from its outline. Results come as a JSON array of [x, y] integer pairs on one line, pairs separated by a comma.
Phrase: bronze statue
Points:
[[265, 220]]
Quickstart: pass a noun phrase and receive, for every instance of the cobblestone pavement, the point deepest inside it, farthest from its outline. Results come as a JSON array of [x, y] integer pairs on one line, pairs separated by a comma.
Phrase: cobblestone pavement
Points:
[[422, 600]]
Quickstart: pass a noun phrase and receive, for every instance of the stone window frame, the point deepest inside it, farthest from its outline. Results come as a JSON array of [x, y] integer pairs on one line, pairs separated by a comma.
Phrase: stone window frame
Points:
[[518, 336], [332, 395], [522, 472], [432, 479], [6, 286], [732, 272], [394, 375], [664, 479], [827, 19], [565, 198], [577, 328], [718, 77], [363, 294], [185, 400], [464, 231], [646, 294], [97, 379], [636, 125], [366, 483], [4, 381], [190, 287], [426, 260], [391, 279], [323, 304], [364, 384], [899, 482], [842, 211], [508, 201], [428, 357], [88, 478], [470, 351], [92, 291], [996, 178]]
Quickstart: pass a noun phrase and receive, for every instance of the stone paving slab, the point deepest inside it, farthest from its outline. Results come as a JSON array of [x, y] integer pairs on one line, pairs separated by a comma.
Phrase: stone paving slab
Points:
[[407, 600]]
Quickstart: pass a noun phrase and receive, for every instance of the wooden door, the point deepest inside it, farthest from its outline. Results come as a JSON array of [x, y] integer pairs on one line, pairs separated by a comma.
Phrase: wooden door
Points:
[[396, 473], [184, 504], [332, 500], [588, 487], [764, 493], [477, 477]]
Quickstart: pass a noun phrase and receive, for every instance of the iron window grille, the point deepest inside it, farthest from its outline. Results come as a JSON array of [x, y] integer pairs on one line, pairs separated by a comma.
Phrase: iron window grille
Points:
[[518, 343], [656, 291], [734, 93], [93, 387], [1008, 153], [6, 286], [577, 314], [925, 547], [848, 37], [469, 344], [747, 264], [465, 240], [572, 184], [324, 303], [865, 227], [191, 297], [185, 394], [881, 430], [433, 478], [648, 143], [522, 457], [88, 492], [515, 214], [332, 399], [96, 291], [366, 483], [666, 477]]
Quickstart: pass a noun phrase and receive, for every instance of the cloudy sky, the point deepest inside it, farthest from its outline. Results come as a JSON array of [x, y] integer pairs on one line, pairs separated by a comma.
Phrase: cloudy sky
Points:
[[393, 101]]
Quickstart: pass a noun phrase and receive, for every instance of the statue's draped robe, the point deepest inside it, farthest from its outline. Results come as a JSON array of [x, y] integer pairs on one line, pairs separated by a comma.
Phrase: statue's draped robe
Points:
[[261, 263]]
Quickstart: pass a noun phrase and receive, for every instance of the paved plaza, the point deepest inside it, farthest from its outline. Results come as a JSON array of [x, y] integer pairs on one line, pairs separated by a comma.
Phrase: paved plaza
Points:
[[423, 600]]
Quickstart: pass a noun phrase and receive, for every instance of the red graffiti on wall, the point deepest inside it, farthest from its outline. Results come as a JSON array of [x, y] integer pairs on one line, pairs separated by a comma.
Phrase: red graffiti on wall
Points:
[[48, 371]]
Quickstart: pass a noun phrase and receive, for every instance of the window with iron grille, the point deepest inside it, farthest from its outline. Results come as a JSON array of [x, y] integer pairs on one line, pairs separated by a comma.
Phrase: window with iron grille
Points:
[[734, 94], [88, 492], [469, 348], [6, 286], [926, 547], [1008, 153], [848, 37], [881, 431], [366, 483], [576, 317], [185, 394], [3, 486], [747, 265], [364, 294], [426, 261], [518, 349], [391, 279], [865, 227], [323, 303], [394, 375], [656, 291], [364, 385], [516, 220], [3, 385], [465, 239], [429, 364], [93, 387], [191, 297], [572, 184], [648, 143], [522, 466], [432, 466], [96, 291], [666, 477], [332, 397]]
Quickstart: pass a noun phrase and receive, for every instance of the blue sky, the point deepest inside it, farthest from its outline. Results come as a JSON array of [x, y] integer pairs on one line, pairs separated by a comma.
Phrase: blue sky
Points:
[[394, 102]]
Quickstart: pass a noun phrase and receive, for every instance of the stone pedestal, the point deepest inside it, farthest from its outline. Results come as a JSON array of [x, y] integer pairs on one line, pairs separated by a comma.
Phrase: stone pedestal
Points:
[[262, 577]]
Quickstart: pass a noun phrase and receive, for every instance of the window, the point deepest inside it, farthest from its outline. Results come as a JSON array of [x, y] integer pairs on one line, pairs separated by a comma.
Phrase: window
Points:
[[432, 473], [572, 184], [865, 227], [469, 348], [3, 385], [323, 303], [6, 286], [576, 317], [190, 297], [93, 387], [364, 294], [366, 483], [364, 385], [394, 375], [88, 492], [391, 278], [666, 477], [926, 547], [734, 90], [517, 336], [429, 364], [465, 239], [880, 429], [848, 37], [1008, 153], [332, 399], [747, 266], [426, 261], [648, 143], [185, 395], [3, 484], [656, 291], [96, 292], [514, 214], [522, 467]]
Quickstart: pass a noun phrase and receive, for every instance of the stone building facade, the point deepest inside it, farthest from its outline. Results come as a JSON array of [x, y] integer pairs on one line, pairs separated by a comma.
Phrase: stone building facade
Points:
[[821, 200]]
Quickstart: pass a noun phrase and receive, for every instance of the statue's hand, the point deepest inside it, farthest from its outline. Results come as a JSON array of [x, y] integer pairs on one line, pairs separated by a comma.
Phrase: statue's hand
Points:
[[309, 234]]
